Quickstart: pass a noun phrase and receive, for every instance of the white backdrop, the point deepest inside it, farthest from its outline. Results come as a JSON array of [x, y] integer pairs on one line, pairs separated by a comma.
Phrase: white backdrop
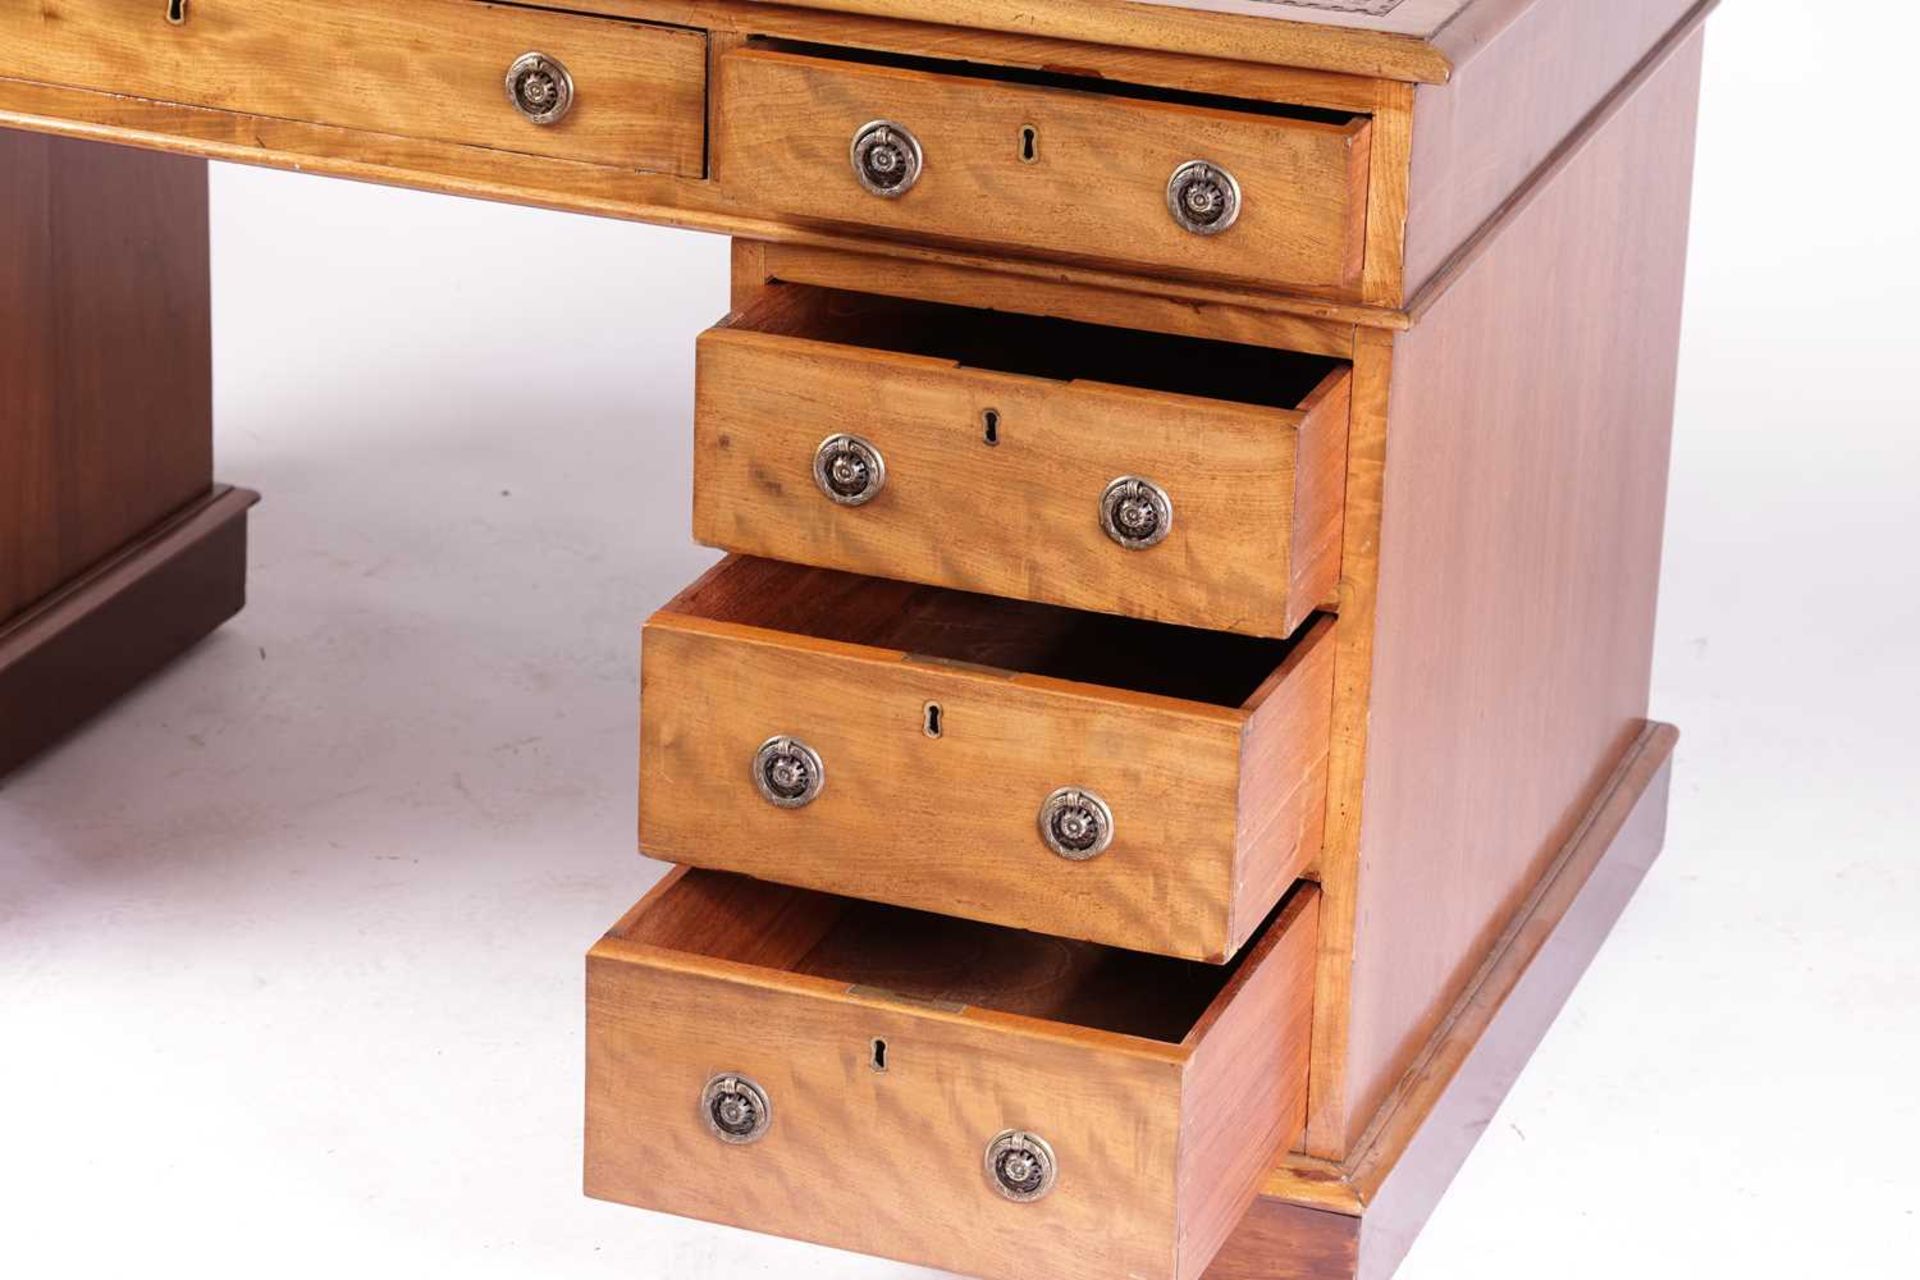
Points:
[[290, 943]]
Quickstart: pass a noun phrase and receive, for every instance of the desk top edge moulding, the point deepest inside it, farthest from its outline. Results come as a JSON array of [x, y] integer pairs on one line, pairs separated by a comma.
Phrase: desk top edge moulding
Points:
[[1238, 427]]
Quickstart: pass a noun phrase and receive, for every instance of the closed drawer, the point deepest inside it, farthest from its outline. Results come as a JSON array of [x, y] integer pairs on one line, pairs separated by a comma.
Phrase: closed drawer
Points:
[[1056, 165], [887, 1050], [429, 69], [1000, 453], [966, 748]]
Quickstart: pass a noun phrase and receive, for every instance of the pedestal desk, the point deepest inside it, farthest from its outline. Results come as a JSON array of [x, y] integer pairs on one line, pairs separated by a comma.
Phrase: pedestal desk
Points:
[[1170, 730]]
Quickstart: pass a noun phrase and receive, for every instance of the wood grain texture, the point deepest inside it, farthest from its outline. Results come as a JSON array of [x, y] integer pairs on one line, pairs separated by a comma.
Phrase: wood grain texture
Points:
[[1338, 870], [473, 163], [1252, 31], [71, 655], [1256, 489], [432, 69], [1164, 309], [1244, 1091], [1281, 1240], [595, 189], [669, 1007], [106, 365], [949, 824], [1097, 192], [1383, 282], [1532, 410], [1386, 1189], [1473, 143]]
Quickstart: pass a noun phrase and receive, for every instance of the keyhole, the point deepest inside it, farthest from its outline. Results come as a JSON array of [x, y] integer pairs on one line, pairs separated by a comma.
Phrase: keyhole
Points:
[[991, 421], [934, 720], [176, 11], [879, 1054], [1029, 144]]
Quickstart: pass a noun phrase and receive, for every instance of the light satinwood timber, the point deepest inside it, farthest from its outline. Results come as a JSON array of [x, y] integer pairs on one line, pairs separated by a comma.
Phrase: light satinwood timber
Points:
[[387, 150], [432, 69], [1338, 868], [605, 191], [1472, 149], [1000, 435], [1422, 757], [1356, 1218], [1095, 189], [1158, 1083], [1209, 748], [1391, 142], [1161, 308], [1537, 499]]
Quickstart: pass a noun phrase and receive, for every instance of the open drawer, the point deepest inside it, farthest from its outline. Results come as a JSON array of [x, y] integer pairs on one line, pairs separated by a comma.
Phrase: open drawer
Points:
[[1091, 777], [977, 1099], [1062, 165], [1159, 477]]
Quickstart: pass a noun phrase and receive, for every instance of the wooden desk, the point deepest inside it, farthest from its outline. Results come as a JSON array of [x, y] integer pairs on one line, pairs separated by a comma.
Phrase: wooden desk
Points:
[[1196, 474]]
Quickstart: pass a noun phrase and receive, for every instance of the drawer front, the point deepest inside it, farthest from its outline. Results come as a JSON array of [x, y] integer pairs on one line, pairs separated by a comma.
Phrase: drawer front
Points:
[[1153, 1144], [430, 69], [1214, 811], [998, 483], [1095, 188]]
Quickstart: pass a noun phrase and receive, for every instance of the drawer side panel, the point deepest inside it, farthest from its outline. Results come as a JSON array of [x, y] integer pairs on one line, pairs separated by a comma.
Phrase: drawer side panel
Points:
[[1245, 1094], [1283, 782]]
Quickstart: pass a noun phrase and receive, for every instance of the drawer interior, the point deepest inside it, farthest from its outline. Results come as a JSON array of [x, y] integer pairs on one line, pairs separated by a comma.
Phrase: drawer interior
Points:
[[1041, 78], [934, 960], [1040, 346], [1211, 667]]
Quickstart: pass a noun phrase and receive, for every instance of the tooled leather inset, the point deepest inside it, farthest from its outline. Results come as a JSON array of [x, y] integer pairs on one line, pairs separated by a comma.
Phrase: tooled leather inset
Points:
[[1372, 8]]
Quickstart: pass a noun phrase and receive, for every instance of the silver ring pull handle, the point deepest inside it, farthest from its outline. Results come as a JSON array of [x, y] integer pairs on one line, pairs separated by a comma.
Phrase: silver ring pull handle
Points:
[[849, 470], [1021, 1166], [735, 1109], [1076, 824], [887, 159], [1203, 198], [540, 88], [788, 773], [1136, 513]]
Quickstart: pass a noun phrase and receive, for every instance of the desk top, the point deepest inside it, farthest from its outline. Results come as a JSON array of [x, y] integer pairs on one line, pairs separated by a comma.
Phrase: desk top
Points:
[[1397, 39]]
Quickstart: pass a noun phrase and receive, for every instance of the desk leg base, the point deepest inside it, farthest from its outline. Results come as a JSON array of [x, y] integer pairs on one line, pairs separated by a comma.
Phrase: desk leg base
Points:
[[77, 651], [1356, 1219]]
